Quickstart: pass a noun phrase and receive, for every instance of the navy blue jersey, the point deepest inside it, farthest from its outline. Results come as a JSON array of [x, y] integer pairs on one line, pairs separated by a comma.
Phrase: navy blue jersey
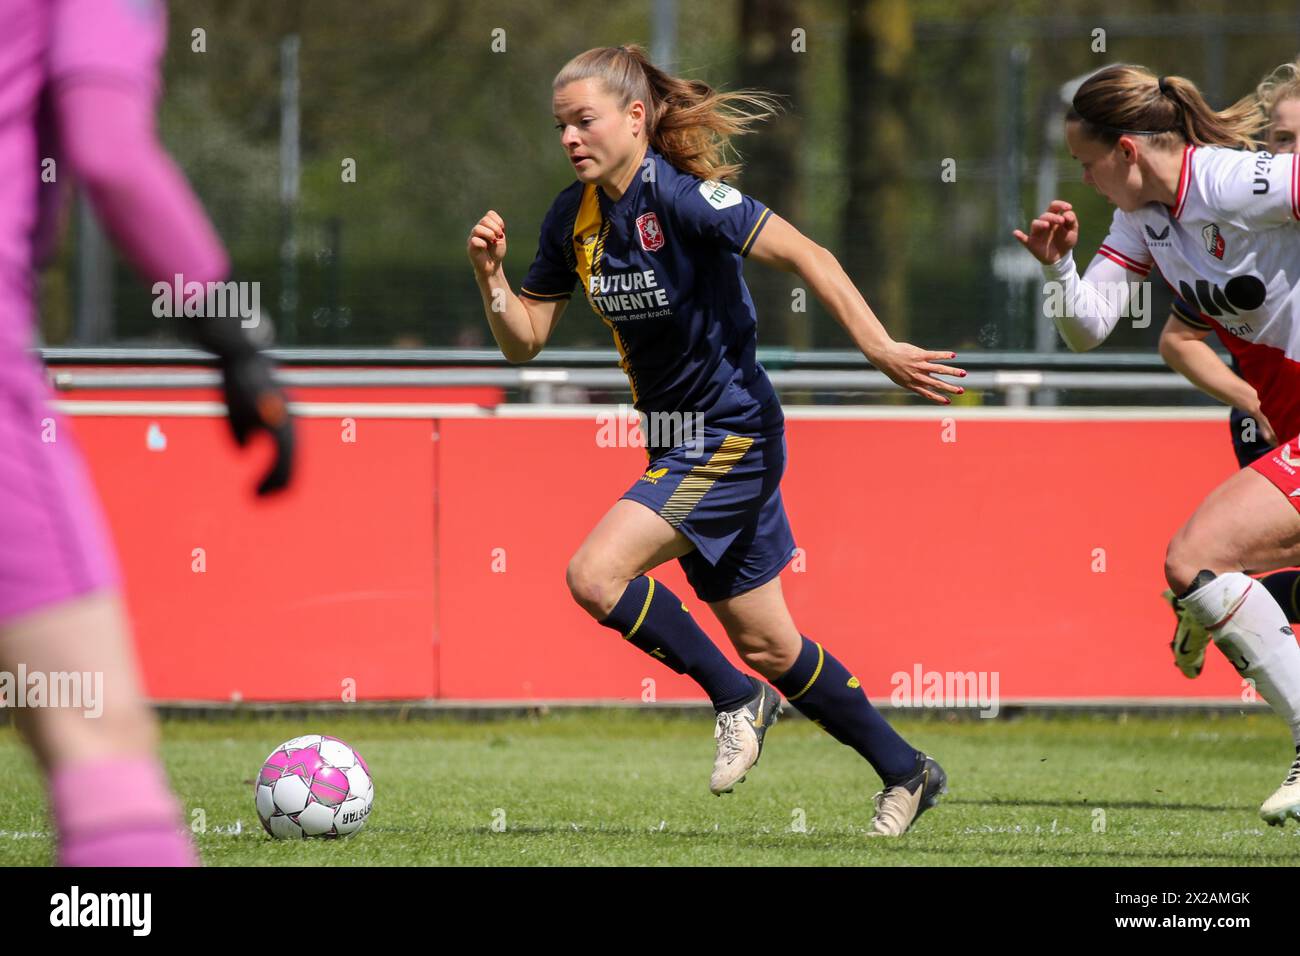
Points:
[[662, 268]]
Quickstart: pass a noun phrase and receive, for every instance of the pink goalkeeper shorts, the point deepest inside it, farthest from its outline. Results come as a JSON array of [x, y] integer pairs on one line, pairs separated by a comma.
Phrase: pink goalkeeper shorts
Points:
[[54, 543]]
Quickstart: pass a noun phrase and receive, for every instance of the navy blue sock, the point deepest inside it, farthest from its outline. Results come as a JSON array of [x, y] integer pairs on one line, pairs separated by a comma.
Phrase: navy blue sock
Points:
[[1282, 585], [833, 699], [651, 617]]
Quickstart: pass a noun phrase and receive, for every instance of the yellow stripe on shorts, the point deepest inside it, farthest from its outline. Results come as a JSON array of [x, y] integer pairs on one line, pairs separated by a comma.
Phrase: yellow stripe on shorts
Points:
[[701, 478]]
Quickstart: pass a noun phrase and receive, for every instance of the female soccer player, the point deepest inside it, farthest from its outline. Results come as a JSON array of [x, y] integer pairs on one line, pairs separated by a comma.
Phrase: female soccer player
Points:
[[657, 240], [1219, 221], [1182, 345], [1181, 342], [1279, 99], [81, 83]]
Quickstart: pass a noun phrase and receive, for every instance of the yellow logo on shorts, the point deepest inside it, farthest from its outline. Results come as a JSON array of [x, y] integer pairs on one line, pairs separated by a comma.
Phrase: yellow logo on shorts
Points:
[[654, 475], [854, 682]]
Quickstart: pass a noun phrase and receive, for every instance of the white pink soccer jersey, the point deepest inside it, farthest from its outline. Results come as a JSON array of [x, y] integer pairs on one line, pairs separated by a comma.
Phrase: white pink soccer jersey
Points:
[[1230, 249]]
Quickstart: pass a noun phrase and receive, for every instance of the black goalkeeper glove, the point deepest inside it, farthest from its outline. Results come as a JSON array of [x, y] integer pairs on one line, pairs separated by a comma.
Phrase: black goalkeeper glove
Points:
[[254, 400]]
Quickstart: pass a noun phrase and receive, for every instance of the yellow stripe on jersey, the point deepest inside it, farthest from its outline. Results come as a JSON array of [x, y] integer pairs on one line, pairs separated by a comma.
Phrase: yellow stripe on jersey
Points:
[[543, 295], [589, 234], [744, 250], [702, 477]]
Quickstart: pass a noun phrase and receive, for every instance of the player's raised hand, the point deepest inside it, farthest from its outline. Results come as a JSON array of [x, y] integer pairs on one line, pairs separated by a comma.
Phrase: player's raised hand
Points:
[[1052, 234], [915, 368], [487, 244]]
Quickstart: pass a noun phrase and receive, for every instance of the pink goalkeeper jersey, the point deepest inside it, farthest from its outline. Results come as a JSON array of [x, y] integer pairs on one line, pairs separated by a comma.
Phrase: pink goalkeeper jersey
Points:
[[44, 43]]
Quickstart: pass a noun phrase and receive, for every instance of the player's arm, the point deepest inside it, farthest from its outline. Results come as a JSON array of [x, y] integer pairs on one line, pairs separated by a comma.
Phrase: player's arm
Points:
[[543, 315], [107, 130], [1184, 349], [521, 325], [783, 247], [109, 134], [1090, 305]]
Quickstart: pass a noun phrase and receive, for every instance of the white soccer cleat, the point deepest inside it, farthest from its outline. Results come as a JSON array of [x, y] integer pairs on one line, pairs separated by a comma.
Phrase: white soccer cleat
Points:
[[1285, 801], [1190, 640], [899, 806], [739, 736]]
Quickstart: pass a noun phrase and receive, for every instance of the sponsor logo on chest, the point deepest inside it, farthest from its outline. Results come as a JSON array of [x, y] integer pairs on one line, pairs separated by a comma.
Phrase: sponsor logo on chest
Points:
[[1223, 303]]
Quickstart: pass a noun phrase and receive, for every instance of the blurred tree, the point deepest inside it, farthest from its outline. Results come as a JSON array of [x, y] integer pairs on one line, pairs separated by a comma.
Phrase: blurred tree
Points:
[[773, 41], [444, 107], [876, 213]]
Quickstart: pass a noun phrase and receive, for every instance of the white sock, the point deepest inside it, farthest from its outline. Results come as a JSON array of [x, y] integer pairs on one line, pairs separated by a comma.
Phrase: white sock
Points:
[[1253, 633]]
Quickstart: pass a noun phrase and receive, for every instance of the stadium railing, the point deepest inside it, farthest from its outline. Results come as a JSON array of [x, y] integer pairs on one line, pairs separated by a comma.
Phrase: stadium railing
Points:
[[1018, 376]]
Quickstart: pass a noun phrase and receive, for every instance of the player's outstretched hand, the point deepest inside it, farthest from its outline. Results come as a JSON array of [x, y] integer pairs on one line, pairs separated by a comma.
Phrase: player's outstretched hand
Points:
[[1052, 234], [254, 402], [487, 244], [915, 368]]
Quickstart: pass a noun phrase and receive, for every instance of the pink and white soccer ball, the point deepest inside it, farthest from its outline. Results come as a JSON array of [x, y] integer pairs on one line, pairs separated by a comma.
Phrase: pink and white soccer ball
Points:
[[313, 786]]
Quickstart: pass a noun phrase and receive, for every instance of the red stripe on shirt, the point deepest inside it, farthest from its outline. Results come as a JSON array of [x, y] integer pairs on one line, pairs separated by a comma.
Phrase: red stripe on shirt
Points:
[[1184, 180], [1295, 185], [1131, 264]]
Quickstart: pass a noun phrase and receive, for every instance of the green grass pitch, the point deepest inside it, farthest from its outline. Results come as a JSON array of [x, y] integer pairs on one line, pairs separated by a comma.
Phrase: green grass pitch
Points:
[[626, 787]]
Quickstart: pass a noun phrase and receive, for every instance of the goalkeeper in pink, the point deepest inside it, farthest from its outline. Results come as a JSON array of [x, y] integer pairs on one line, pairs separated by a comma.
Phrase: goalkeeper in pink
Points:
[[79, 82]]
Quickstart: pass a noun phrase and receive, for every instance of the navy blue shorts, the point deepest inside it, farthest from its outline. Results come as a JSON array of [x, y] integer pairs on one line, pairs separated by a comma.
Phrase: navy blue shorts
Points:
[[724, 494]]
